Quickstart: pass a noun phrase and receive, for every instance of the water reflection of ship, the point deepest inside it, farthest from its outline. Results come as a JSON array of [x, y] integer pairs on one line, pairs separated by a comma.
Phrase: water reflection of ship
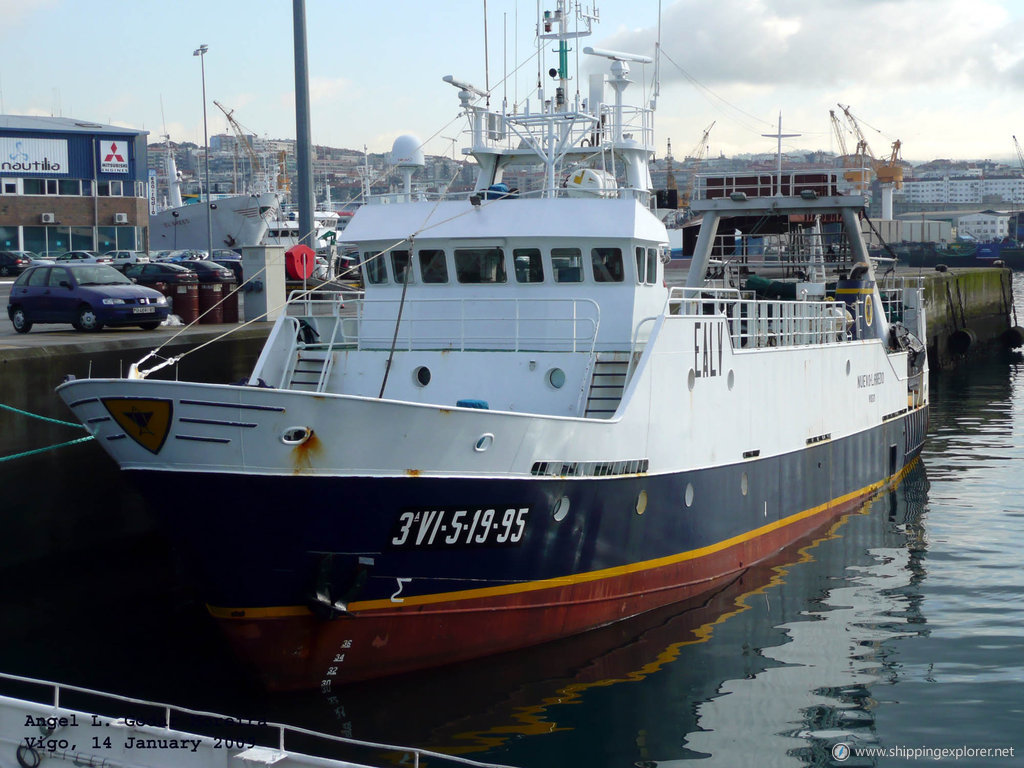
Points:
[[773, 661]]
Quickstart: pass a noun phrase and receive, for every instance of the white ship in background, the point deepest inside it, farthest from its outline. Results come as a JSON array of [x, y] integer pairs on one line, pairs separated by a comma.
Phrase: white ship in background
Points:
[[236, 220]]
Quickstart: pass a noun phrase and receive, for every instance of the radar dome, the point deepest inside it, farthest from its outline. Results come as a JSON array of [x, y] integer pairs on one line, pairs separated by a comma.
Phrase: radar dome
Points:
[[407, 151]]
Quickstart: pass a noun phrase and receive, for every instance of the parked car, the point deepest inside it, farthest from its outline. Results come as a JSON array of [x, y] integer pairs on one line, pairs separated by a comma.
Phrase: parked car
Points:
[[160, 272], [89, 296], [120, 258], [229, 259], [14, 262], [84, 257], [211, 272], [184, 254]]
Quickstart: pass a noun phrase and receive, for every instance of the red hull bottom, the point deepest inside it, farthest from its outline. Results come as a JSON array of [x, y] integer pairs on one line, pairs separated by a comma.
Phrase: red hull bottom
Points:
[[304, 652]]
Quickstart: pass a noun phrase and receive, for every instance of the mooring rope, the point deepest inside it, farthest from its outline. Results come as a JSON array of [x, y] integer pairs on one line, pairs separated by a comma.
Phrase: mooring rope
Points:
[[34, 451], [23, 454], [42, 418]]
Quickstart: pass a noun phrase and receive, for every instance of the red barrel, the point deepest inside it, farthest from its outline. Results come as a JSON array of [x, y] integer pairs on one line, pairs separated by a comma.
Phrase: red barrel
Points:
[[230, 304], [185, 297], [210, 309]]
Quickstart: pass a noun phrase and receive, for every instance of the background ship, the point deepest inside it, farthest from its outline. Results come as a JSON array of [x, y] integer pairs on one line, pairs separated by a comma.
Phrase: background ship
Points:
[[236, 220]]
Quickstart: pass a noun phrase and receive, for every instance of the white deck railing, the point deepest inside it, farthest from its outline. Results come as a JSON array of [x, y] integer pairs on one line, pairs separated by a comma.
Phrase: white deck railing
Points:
[[763, 323], [454, 324]]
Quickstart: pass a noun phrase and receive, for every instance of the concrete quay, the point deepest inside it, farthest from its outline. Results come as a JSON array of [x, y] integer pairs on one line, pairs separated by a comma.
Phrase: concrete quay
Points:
[[970, 313]]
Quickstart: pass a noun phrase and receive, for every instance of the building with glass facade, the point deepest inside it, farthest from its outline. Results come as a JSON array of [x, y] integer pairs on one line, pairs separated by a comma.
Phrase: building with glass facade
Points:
[[69, 184]]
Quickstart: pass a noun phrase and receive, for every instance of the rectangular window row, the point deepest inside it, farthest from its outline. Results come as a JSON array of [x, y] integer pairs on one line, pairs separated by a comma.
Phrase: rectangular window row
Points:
[[72, 187], [488, 265]]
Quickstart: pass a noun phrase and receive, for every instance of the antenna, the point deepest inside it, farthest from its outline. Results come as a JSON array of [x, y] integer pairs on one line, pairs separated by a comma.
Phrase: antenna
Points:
[[487, 59], [464, 86], [657, 64], [780, 136], [618, 55]]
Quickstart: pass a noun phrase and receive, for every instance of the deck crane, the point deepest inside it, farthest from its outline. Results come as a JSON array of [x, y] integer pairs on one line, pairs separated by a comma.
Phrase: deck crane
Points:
[[258, 175], [1020, 155]]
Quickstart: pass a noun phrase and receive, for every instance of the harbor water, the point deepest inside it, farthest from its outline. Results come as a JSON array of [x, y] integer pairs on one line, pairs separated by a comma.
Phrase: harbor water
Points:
[[897, 628]]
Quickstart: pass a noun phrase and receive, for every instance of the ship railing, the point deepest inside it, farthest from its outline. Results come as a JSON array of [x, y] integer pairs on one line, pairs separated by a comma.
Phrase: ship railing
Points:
[[251, 740], [515, 325], [790, 251], [824, 183], [902, 297], [759, 323], [575, 129]]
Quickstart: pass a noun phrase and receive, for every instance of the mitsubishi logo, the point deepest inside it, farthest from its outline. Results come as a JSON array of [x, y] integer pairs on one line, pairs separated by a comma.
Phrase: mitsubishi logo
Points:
[[114, 154]]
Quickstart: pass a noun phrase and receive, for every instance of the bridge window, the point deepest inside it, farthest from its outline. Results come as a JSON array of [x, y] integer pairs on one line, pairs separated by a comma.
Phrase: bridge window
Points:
[[480, 265], [376, 271], [567, 264], [647, 265], [433, 266], [607, 265], [401, 262], [528, 264]]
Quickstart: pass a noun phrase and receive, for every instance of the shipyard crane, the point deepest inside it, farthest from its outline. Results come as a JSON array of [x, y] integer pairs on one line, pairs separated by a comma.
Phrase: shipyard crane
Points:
[[857, 174], [241, 139], [670, 174], [696, 158], [1016, 217], [889, 172]]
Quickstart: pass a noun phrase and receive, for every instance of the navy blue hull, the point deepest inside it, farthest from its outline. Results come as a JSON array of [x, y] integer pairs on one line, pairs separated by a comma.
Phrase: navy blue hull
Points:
[[262, 541], [320, 580]]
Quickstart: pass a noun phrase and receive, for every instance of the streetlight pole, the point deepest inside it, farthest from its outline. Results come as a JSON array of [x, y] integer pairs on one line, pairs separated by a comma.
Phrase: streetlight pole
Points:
[[201, 53]]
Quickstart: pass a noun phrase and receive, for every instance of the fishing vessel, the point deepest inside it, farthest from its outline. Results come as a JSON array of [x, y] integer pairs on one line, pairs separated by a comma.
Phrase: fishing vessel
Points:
[[235, 220], [520, 431]]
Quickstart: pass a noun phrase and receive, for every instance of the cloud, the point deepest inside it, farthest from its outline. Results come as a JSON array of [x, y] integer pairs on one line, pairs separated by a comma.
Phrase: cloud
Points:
[[328, 88], [885, 43], [12, 11]]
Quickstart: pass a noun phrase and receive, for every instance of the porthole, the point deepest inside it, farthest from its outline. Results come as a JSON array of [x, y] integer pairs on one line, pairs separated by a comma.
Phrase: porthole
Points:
[[691, 379], [483, 442], [556, 378], [641, 503], [561, 509], [847, 367], [296, 435], [422, 375], [744, 484], [731, 380], [689, 495]]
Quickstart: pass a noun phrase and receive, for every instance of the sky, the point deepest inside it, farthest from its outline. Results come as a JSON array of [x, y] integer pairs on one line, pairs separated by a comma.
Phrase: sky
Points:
[[944, 77]]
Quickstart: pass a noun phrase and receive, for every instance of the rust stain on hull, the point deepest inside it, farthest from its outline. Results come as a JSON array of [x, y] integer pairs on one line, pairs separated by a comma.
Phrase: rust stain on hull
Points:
[[304, 453]]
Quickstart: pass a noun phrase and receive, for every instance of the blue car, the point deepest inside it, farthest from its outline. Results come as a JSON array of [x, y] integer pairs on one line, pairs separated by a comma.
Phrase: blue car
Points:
[[89, 296]]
